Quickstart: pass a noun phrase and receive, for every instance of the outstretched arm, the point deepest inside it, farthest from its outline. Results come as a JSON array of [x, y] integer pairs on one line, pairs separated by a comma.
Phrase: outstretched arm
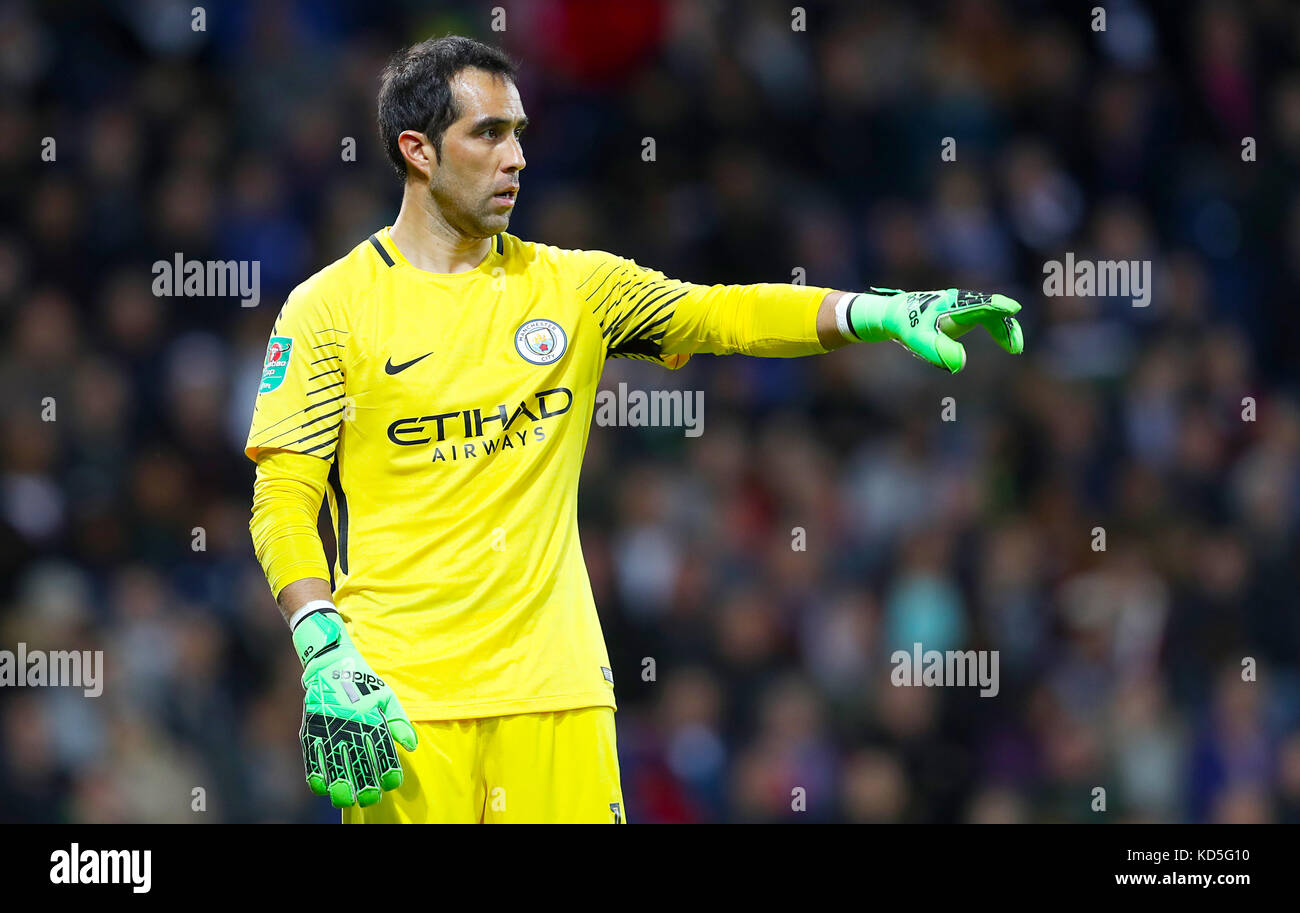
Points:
[[927, 324], [645, 314]]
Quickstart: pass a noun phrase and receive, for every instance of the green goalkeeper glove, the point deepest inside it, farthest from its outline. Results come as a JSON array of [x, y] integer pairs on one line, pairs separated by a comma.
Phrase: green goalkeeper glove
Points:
[[349, 716], [927, 324]]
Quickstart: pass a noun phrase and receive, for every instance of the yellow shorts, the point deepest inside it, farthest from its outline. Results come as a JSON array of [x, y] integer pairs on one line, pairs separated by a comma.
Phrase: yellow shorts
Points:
[[538, 768]]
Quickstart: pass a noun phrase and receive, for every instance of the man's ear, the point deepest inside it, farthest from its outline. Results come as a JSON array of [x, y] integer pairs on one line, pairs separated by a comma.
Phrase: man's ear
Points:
[[418, 151]]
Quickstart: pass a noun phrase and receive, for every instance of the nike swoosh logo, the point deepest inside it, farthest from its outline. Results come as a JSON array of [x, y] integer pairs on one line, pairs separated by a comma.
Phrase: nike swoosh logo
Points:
[[391, 368]]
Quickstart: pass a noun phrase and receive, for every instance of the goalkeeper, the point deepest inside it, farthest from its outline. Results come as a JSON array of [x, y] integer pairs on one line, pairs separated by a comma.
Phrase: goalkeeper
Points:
[[435, 387]]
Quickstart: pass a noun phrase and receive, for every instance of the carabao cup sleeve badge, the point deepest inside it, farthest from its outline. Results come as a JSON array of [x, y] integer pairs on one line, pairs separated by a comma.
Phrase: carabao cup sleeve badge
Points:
[[276, 364]]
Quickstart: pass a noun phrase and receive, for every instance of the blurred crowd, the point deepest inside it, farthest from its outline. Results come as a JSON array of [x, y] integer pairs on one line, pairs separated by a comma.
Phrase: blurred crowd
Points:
[[753, 675]]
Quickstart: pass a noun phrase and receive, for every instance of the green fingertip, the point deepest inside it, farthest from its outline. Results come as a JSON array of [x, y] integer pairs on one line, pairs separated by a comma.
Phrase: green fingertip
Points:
[[369, 796], [1010, 305], [951, 354], [316, 783], [403, 733], [1015, 337], [341, 794], [391, 779]]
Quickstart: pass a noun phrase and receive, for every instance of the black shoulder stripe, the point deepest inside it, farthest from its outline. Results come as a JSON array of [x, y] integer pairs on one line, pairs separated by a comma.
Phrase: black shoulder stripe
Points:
[[315, 434], [499, 244], [380, 248]]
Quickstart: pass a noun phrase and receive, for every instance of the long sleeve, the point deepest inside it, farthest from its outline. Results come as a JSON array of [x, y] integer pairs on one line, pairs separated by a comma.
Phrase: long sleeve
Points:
[[767, 320], [287, 495], [644, 314]]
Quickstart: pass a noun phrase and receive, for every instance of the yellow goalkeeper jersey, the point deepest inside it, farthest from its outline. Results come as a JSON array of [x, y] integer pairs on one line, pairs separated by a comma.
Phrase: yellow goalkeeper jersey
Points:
[[453, 412]]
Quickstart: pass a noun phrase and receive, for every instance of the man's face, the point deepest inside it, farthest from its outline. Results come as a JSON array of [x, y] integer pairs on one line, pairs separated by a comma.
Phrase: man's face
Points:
[[476, 177]]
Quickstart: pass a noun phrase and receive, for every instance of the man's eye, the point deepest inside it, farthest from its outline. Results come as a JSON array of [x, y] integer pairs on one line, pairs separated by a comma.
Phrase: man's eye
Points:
[[490, 133]]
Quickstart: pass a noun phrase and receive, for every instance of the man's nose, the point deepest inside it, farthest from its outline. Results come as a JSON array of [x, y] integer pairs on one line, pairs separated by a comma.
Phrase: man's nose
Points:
[[514, 160]]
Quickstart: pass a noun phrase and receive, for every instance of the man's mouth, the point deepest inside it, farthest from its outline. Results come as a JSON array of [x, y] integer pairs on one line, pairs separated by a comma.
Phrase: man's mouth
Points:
[[506, 197]]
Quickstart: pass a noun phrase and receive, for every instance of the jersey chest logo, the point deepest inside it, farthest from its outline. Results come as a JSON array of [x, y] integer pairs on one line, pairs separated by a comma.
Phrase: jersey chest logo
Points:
[[541, 342]]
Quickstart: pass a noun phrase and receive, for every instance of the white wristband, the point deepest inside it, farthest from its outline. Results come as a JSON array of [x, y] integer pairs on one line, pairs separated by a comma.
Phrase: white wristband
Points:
[[842, 318], [307, 609]]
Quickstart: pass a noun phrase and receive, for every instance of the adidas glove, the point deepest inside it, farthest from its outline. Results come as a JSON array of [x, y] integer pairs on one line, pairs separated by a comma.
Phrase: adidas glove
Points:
[[349, 716], [927, 324]]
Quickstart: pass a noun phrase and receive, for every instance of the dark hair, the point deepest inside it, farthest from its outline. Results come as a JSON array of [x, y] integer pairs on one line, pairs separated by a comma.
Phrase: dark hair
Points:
[[416, 90]]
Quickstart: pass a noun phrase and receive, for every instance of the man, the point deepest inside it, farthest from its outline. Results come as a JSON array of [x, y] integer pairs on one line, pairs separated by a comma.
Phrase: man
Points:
[[437, 386]]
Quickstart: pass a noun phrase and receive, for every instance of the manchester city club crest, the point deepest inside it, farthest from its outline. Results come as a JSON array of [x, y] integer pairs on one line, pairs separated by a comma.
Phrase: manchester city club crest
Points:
[[541, 342]]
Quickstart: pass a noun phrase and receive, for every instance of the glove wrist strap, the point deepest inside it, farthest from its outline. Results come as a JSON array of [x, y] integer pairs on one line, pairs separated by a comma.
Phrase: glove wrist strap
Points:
[[316, 605], [317, 633], [866, 314], [843, 320]]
